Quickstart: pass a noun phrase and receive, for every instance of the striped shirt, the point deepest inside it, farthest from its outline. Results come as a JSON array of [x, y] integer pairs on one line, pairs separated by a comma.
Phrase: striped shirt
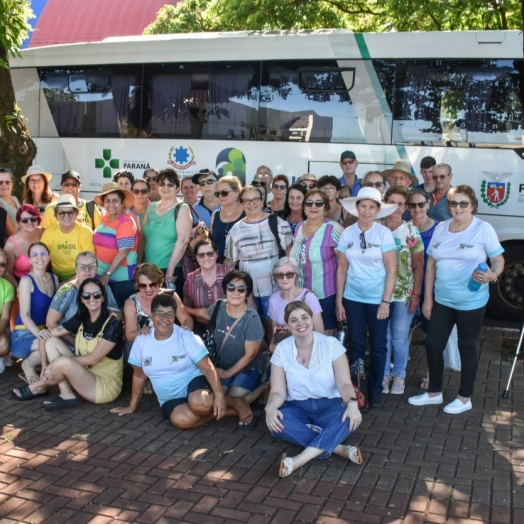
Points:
[[109, 238], [198, 294], [317, 257]]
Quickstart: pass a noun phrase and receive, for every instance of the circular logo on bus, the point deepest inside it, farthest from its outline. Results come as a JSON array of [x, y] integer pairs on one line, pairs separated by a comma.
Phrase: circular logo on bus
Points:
[[181, 157], [231, 161]]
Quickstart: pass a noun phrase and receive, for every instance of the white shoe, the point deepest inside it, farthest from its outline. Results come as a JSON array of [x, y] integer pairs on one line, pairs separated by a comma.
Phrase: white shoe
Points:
[[425, 399], [457, 406], [398, 386], [2, 365], [386, 382]]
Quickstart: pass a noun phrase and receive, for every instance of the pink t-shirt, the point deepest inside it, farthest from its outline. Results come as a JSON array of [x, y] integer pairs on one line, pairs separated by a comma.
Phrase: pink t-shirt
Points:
[[277, 305]]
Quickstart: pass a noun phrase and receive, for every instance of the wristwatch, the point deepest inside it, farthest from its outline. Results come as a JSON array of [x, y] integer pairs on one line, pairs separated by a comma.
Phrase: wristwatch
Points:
[[108, 273]]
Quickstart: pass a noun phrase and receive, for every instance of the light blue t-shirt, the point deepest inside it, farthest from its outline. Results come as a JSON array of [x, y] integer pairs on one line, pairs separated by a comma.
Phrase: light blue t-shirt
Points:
[[171, 363], [457, 255], [366, 276]]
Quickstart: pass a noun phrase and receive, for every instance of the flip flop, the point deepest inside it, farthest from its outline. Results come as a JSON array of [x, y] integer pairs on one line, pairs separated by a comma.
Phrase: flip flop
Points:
[[61, 403], [286, 466], [28, 380], [354, 454], [424, 383], [256, 417], [27, 394]]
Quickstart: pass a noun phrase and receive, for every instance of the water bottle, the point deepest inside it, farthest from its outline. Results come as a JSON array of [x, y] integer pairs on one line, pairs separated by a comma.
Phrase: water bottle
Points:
[[341, 333], [473, 285]]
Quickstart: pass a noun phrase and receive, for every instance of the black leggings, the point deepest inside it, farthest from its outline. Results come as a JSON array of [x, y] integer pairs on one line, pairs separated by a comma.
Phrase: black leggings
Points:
[[468, 323]]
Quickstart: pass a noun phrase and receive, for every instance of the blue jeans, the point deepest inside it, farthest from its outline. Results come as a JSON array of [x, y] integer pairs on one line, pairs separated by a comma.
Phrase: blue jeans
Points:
[[360, 318], [398, 340], [325, 413]]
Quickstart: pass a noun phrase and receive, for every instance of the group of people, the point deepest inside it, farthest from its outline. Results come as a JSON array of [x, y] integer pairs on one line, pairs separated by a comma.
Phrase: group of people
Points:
[[280, 266]]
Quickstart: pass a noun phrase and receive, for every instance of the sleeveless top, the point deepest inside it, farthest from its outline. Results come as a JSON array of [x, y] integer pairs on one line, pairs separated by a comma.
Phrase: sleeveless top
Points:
[[142, 317], [22, 263], [40, 303], [11, 211], [220, 231]]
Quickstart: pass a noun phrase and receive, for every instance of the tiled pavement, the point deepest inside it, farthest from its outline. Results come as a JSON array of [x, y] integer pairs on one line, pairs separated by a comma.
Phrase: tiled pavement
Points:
[[421, 465]]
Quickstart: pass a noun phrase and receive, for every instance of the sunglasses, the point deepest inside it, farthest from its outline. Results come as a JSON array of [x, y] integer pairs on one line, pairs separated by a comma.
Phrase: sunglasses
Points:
[[167, 184], [153, 178], [97, 295], [69, 213], [279, 187], [414, 205], [3, 264], [463, 204], [25, 220], [164, 314], [348, 162], [241, 289], [441, 177], [362, 242], [140, 191], [281, 276], [374, 184], [83, 267], [257, 183], [248, 201], [316, 203], [151, 285], [71, 184], [6, 182], [208, 254], [263, 174], [222, 193], [309, 186], [209, 181]]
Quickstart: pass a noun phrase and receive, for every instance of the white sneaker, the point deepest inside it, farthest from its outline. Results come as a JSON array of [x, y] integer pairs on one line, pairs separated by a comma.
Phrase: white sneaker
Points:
[[425, 399], [457, 406], [2, 365], [398, 386], [386, 381]]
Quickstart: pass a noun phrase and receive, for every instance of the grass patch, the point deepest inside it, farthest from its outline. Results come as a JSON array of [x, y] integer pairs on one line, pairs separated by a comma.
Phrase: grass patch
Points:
[[508, 348]]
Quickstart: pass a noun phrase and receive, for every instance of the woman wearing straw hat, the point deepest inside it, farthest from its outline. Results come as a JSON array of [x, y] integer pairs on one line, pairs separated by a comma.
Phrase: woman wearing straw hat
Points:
[[366, 276], [36, 188], [115, 241]]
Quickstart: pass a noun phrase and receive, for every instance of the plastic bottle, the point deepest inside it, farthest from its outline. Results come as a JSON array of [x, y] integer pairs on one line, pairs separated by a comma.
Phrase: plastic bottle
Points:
[[473, 285]]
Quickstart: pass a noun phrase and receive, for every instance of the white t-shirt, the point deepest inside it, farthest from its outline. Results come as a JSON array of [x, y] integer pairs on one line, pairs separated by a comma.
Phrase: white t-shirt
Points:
[[169, 363], [457, 255], [366, 276], [317, 381]]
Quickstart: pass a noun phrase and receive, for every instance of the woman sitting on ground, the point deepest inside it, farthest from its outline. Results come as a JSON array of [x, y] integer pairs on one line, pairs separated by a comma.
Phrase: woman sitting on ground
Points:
[[95, 370], [312, 402], [7, 297]]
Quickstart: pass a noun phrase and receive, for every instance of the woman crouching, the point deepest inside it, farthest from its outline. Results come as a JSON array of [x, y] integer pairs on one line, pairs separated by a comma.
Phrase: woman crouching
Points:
[[95, 370], [312, 402]]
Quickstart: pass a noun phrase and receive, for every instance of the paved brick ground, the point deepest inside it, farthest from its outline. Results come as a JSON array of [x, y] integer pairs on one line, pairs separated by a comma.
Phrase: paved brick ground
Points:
[[421, 465]]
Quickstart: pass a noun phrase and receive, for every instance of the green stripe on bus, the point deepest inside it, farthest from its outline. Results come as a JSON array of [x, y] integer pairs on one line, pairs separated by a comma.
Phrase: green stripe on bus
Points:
[[361, 42]]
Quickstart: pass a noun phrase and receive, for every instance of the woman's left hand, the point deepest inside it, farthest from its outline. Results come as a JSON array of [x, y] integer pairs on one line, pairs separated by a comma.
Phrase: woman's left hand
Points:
[[353, 414], [222, 373]]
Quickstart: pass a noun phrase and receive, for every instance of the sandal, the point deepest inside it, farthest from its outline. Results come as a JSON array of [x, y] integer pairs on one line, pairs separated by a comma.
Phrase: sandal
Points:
[[424, 383], [354, 454], [61, 403], [286, 466], [28, 380], [27, 394]]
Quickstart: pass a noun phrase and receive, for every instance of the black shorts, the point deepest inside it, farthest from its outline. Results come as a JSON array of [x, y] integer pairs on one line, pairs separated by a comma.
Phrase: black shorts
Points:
[[197, 383]]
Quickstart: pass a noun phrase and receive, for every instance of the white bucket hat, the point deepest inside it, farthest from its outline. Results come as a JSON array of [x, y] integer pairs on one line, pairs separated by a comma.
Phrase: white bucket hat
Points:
[[36, 170], [368, 193]]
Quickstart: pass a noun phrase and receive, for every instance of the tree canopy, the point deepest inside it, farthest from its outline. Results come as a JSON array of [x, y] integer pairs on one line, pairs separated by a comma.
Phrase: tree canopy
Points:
[[357, 15]]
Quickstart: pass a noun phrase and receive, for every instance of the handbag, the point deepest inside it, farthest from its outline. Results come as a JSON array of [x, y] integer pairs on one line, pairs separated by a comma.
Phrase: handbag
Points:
[[208, 337], [198, 232], [451, 352]]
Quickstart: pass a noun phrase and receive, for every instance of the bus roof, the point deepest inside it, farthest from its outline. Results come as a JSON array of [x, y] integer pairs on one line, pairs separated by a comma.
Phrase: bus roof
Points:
[[277, 45]]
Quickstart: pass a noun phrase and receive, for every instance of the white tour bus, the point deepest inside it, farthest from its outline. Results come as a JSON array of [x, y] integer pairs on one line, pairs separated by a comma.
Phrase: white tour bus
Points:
[[292, 100]]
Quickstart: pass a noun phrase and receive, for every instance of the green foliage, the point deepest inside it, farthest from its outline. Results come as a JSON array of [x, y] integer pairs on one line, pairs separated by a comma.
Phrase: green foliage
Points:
[[14, 26], [356, 15]]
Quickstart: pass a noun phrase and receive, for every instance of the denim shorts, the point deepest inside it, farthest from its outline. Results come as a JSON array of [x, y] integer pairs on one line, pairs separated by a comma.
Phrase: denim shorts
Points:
[[262, 304], [197, 383], [21, 342], [249, 379]]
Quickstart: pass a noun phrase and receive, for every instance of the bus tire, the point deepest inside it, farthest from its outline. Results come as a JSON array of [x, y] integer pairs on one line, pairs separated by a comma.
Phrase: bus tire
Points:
[[506, 295]]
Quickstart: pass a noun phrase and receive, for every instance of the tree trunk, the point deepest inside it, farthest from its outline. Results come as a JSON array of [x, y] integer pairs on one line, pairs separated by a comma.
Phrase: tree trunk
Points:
[[17, 149]]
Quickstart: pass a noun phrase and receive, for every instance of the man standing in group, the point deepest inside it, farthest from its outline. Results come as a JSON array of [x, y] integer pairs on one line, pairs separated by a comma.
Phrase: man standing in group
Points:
[[349, 164], [189, 191], [426, 170], [88, 212], [400, 175], [207, 180], [265, 175], [438, 199]]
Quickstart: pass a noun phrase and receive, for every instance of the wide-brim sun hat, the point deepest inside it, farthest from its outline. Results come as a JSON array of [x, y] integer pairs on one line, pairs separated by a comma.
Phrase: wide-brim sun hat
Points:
[[368, 193], [404, 168], [36, 170], [113, 187]]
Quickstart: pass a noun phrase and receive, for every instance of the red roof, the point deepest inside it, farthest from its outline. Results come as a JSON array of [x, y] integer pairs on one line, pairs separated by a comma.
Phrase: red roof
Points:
[[68, 21]]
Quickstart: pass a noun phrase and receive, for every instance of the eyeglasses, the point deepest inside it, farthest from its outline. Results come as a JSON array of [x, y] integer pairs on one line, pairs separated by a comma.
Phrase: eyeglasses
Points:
[[83, 267], [329, 188], [279, 187], [257, 183], [263, 174], [362, 242], [414, 205], [6, 182], [316, 203], [209, 181], [164, 314], [140, 191], [36, 180], [248, 201], [167, 184], [241, 289], [25, 220], [97, 295], [222, 193], [463, 204], [71, 184], [153, 178], [289, 275], [374, 184], [41, 254], [208, 254], [3, 264], [441, 177], [309, 186], [348, 162], [151, 285], [69, 213]]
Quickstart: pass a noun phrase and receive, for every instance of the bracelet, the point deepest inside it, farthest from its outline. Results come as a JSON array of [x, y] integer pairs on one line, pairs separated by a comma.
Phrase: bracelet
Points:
[[386, 302], [352, 399], [415, 295]]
